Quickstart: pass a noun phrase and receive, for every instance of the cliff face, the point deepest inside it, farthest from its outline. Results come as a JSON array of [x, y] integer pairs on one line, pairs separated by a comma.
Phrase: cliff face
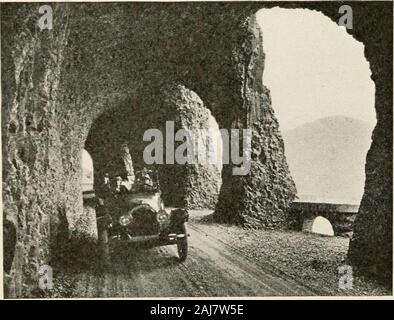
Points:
[[103, 57], [40, 159]]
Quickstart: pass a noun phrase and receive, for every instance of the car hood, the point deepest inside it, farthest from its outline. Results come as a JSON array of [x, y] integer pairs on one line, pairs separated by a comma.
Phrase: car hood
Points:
[[143, 198]]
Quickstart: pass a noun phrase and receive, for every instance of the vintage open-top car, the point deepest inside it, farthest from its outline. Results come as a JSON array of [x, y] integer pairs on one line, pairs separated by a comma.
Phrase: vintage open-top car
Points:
[[139, 218]]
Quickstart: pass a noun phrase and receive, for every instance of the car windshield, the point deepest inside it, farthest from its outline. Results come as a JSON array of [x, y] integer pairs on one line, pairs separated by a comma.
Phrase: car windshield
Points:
[[145, 181]]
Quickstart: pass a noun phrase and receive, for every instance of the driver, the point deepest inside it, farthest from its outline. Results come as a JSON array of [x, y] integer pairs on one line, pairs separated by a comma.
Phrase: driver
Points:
[[114, 202], [113, 198], [119, 187]]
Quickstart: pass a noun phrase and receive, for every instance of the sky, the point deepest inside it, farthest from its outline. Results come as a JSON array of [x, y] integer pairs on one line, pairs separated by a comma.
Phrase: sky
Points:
[[87, 170], [314, 68]]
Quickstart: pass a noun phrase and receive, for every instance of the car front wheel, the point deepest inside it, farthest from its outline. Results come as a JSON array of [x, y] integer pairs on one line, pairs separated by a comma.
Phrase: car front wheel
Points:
[[182, 244]]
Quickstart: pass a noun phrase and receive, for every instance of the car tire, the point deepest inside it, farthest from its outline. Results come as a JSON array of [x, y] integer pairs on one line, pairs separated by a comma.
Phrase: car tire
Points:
[[104, 246], [182, 244]]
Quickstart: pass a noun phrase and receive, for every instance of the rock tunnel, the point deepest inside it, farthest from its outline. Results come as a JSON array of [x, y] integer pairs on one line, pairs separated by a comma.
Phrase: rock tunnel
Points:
[[103, 59]]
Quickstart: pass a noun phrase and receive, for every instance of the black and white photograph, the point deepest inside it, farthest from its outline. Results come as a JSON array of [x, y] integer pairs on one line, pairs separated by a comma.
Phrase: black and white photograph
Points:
[[197, 149]]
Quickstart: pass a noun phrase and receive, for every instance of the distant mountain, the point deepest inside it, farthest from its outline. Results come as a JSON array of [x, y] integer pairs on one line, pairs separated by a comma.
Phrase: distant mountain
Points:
[[327, 158]]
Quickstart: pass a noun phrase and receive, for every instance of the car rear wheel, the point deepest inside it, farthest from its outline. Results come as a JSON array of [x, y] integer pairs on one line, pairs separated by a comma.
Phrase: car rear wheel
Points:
[[182, 244]]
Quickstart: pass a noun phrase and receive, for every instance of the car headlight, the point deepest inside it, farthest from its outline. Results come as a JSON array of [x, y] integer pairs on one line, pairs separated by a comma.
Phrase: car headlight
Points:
[[162, 217], [125, 220]]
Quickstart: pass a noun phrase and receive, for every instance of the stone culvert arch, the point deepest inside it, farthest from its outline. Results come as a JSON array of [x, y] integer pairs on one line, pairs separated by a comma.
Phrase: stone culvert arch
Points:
[[101, 55], [319, 225]]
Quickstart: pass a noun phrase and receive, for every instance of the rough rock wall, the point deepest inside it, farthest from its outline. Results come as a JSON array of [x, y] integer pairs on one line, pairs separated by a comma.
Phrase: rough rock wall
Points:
[[44, 125], [195, 185], [88, 218], [261, 198], [371, 248], [38, 169]]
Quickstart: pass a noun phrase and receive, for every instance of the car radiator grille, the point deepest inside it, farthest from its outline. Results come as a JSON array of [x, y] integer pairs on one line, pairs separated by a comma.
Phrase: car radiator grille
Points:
[[144, 223]]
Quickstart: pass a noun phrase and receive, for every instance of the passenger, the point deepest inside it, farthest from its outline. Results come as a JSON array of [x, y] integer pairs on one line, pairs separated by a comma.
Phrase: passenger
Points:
[[103, 199], [128, 180], [119, 187], [115, 201], [128, 176]]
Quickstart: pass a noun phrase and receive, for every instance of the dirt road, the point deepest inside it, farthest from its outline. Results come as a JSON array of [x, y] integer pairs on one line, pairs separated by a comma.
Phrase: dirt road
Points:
[[212, 269]]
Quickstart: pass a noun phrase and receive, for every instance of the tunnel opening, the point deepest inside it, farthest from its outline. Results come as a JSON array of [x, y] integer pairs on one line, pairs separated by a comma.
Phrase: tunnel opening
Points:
[[88, 194], [323, 97], [87, 172], [376, 155]]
